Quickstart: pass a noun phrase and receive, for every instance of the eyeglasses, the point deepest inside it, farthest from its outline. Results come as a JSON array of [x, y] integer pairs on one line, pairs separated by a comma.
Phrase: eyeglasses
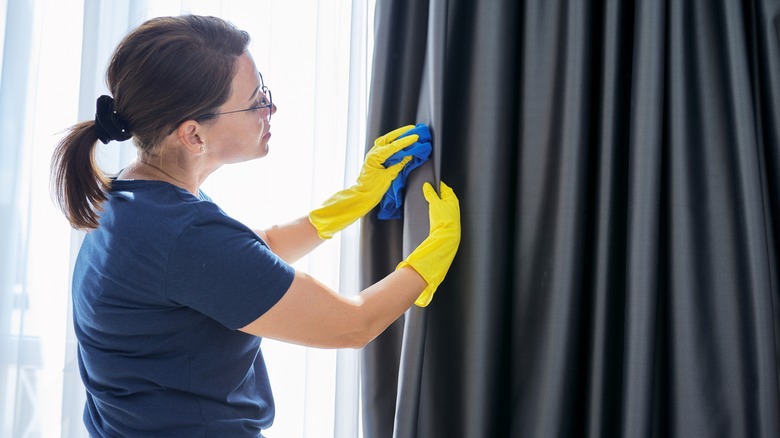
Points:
[[265, 101]]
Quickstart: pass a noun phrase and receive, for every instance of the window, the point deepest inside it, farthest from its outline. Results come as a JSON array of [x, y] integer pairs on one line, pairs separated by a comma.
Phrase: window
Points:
[[313, 54]]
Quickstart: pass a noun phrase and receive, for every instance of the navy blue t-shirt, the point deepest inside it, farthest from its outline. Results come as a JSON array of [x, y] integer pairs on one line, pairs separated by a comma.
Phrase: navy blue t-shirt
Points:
[[159, 291]]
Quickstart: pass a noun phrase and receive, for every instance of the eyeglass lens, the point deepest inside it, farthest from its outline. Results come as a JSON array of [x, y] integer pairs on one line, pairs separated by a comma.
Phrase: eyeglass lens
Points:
[[267, 92]]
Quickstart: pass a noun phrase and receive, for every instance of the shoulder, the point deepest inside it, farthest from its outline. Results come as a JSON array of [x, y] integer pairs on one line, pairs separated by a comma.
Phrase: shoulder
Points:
[[157, 222], [156, 204], [223, 269]]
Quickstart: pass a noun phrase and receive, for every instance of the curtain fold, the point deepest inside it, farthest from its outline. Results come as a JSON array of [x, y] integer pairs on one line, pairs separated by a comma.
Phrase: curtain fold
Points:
[[416, 225], [618, 167], [400, 37]]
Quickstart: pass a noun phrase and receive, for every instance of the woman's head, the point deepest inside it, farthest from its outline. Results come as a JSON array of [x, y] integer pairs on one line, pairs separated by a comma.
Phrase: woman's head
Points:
[[172, 69], [166, 71]]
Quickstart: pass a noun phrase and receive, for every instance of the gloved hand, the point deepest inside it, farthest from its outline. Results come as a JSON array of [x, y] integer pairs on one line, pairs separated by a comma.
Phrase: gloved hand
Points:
[[349, 205], [390, 207], [433, 257]]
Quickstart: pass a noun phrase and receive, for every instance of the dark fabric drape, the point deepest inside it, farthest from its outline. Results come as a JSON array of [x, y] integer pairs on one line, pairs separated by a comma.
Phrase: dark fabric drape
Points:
[[618, 168]]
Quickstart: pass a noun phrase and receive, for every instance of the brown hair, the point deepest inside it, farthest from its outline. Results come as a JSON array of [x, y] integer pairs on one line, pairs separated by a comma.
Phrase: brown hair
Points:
[[166, 71]]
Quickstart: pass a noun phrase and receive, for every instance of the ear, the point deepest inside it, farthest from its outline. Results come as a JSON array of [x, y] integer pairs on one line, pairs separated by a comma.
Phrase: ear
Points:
[[192, 136]]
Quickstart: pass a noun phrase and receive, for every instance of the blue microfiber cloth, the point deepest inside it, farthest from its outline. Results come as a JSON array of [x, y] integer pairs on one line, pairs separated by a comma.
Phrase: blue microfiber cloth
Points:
[[420, 151]]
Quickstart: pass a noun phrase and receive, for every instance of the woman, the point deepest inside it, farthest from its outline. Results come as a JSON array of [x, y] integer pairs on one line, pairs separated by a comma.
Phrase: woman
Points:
[[171, 296]]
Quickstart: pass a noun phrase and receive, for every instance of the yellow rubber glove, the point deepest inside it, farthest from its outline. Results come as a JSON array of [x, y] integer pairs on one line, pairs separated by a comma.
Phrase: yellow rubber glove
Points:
[[433, 257], [349, 205]]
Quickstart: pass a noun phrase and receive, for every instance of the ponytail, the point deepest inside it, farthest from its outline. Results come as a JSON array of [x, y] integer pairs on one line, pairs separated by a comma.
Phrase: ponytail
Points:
[[166, 71], [79, 187]]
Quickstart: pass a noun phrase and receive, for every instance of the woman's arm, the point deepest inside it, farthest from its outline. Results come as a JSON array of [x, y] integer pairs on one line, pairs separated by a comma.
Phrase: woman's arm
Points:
[[292, 240], [312, 314]]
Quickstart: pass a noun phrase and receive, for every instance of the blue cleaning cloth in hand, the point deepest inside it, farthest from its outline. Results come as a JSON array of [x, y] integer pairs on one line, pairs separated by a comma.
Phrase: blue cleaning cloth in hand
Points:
[[420, 151]]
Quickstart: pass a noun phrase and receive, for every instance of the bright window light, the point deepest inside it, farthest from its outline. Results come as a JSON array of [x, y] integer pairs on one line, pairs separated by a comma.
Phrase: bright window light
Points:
[[314, 55]]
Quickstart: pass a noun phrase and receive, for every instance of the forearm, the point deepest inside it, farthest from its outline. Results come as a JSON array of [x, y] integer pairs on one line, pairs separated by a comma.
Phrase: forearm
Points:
[[383, 302], [312, 314], [292, 240]]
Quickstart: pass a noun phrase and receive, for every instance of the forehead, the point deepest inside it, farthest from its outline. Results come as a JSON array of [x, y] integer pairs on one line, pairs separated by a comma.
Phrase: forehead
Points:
[[246, 80]]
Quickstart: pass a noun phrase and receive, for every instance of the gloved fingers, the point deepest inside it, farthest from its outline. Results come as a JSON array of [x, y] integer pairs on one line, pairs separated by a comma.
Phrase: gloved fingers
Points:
[[446, 191], [395, 169], [379, 154], [430, 193], [443, 212], [392, 135], [422, 131], [448, 196]]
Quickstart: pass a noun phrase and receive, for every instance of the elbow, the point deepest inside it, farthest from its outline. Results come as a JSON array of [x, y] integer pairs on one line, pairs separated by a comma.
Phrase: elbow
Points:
[[360, 334], [354, 344], [357, 328], [362, 341], [344, 341], [356, 340]]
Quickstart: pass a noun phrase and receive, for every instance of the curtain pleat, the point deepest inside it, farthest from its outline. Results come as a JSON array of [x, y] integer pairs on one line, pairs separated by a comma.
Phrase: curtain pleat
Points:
[[400, 36], [618, 169]]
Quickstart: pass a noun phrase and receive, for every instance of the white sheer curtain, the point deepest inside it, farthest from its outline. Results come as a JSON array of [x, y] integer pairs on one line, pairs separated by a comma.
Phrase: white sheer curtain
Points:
[[314, 55]]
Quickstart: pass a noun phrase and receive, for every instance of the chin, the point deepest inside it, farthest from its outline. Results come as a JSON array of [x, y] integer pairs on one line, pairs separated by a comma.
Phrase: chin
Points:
[[262, 151]]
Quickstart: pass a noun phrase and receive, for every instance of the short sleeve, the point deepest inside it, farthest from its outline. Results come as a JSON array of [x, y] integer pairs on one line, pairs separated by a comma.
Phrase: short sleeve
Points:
[[222, 269]]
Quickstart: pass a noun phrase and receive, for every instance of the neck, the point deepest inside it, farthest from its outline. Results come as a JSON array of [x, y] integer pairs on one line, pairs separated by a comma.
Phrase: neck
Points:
[[171, 178], [144, 168]]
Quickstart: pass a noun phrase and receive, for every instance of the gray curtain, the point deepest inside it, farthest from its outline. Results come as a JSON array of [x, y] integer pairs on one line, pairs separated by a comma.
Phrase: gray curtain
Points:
[[618, 168]]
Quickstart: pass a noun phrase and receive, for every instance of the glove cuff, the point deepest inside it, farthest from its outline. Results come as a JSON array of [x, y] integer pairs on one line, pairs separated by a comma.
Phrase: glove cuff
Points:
[[324, 233], [427, 294]]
